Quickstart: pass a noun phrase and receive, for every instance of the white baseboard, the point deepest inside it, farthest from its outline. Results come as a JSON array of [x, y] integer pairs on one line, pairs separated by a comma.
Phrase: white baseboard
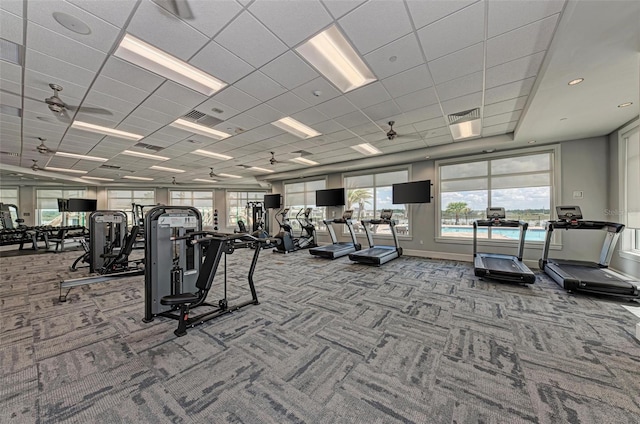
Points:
[[462, 257]]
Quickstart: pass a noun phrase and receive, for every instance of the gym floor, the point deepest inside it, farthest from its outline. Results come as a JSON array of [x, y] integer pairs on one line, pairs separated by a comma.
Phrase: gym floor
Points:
[[415, 340]]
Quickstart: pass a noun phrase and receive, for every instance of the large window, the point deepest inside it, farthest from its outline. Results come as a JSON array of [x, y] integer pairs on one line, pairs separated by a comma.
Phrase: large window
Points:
[[368, 194], [121, 200], [237, 205], [301, 195], [47, 207], [631, 192], [201, 200], [521, 184], [10, 196]]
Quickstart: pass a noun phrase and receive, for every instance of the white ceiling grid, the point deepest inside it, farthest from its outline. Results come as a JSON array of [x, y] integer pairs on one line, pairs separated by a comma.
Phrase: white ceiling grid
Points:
[[430, 58]]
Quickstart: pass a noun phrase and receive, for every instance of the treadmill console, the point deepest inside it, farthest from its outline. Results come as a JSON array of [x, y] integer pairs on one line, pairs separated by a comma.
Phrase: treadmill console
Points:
[[386, 214], [496, 213], [347, 214], [568, 213]]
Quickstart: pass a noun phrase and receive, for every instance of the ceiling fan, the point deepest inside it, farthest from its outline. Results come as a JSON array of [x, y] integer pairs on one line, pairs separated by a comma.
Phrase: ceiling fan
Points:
[[42, 148], [34, 166], [392, 134], [273, 159], [61, 109]]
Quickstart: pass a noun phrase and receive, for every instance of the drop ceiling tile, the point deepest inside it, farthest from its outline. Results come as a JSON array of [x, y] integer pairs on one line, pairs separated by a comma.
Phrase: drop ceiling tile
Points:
[[180, 94], [11, 27], [130, 74], [115, 105], [63, 48], [268, 131], [408, 81], [320, 86], [524, 41], [99, 119], [207, 19], [265, 113], [117, 89], [289, 70], [167, 33], [152, 115], [243, 121], [504, 106], [369, 128], [221, 63], [12, 6], [468, 84], [292, 21], [353, 119], [424, 113], [368, 95], [310, 116], [395, 57], [429, 125], [336, 107], [250, 40], [515, 70], [115, 12], [102, 35], [439, 140], [58, 70], [260, 86], [288, 103], [357, 24], [211, 104], [382, 111], [504, 128], [10, 72], [339, 8], [505, 16], [426, 12], [328, 127], [462, 103], [9, 94], [145, 125], [509, 91], [417, 99], [71, 93], [454, 32], [458, 64], [501, 119], [236, 99]]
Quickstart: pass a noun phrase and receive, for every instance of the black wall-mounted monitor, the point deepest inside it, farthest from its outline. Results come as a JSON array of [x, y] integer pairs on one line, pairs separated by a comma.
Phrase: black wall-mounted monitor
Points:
[[63, 205], [272, 201], [413, 192], [82, 205], [330, 197]]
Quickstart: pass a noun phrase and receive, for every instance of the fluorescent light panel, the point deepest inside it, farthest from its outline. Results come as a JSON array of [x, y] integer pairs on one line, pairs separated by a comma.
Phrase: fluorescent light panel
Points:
[[366, 149], [131, 177], [467, 129], [257, 168], [97, 178], [85, 157], [332, 55], [105, 130], [155, 60], [72, 171], [164, 168], [144, 155], [296, 128], [202, 180], [211, 154], [230, 176], [192, 127], [304, 161]]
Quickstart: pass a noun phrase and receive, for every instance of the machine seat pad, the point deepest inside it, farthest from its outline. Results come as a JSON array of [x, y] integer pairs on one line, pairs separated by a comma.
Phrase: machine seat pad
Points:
[[179, 299]]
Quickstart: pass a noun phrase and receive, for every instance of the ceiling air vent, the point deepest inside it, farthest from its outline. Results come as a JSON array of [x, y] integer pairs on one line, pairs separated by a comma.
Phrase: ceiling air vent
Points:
[[10, 110], [109, 167], [467, 115], [10, 154], [202, 119], [149, 147], [10, 52]]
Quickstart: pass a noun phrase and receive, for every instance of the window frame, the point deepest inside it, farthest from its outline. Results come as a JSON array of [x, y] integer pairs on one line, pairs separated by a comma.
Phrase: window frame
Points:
[[10, 201], [383, 170], [245, 199], [320, 227], [556, 193], [629, 243], [129, 212], [64, 215], [213, 204]]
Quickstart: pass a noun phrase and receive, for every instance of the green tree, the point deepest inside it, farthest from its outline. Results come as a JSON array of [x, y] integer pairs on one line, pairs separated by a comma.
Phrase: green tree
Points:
[[456, 208], [358, 196], [466, 211]]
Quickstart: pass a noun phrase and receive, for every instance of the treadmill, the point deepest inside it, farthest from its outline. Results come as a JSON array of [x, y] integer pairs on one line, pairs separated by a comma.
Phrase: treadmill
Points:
[[338, 249], [378, 255], [497, 266], [584, 276]]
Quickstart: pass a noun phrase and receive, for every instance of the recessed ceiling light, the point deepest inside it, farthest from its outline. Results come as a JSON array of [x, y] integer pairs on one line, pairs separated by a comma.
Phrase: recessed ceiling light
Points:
[[202, 180], [85, 157], [216, 110], [105, 130], [155, 60], [131, 177], [164, 168], [257, 168], [97, 178], [296, 128], [393, 59], [576, 81], [332, 55], [625, 104], [211, 154], [230, 176], [531, 142], [427, 157], [183, 124], [73, 171], [144, 155], [462, 130], [72, 23], [304, 161], [366, 149]]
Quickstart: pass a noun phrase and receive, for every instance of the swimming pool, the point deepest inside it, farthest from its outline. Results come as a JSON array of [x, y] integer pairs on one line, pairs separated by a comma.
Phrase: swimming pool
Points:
[[533, 234]]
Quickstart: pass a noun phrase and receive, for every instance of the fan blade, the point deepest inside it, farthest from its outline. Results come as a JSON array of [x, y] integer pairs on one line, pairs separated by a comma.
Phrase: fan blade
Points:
[[63, 116], [180, 8], [86, 109]]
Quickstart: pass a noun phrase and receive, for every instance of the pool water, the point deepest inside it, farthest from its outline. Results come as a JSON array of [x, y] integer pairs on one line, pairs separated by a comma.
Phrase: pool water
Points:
[[534, 234]]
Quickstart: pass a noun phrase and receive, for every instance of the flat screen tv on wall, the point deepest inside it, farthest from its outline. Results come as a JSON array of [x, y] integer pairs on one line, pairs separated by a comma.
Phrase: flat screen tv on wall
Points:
[[82, 205], [272, 201], [413, 192], [330, 197]]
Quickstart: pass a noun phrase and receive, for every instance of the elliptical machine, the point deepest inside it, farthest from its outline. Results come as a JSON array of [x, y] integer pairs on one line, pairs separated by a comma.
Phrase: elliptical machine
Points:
[[307, 237], [288, 243]]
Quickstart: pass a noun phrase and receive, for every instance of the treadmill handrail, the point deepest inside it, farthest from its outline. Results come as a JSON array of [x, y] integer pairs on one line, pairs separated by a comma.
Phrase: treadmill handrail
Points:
[[501, 223], [583, 224], [390, 222]]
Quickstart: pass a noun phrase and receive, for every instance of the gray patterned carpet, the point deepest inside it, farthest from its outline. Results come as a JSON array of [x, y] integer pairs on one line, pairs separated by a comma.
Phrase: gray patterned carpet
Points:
[[414, 341]]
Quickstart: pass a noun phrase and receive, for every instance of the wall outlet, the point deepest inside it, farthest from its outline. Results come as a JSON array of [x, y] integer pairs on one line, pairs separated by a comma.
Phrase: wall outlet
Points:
[[578, 194], [421, 242], [26, 214]]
